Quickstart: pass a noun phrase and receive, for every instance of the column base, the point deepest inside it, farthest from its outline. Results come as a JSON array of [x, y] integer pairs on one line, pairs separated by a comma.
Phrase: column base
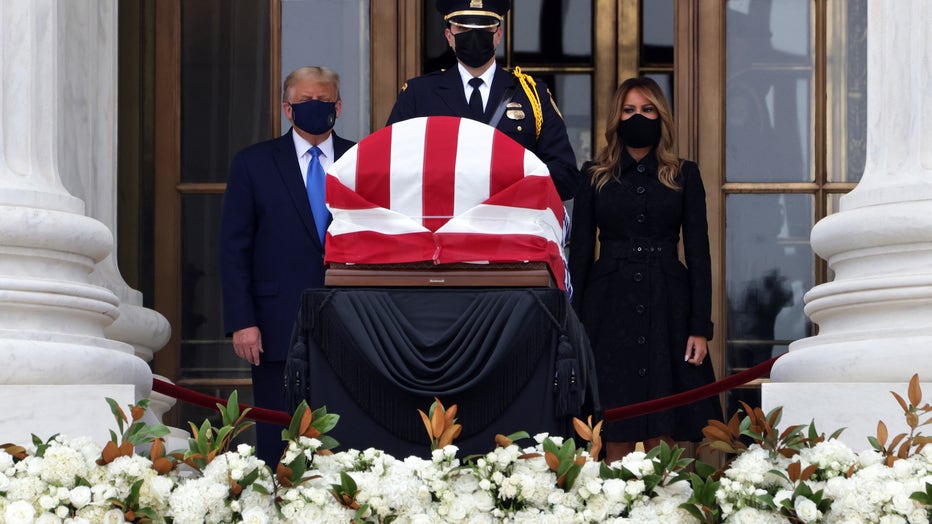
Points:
[[854, 406], [73, 410]]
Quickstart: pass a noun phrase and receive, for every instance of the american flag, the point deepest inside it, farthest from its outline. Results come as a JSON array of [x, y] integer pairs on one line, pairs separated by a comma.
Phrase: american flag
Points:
[[446, 190]]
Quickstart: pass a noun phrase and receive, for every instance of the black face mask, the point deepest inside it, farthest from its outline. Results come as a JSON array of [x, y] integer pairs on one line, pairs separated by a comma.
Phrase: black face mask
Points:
[[314, 116], [474, 47], [639, 131]]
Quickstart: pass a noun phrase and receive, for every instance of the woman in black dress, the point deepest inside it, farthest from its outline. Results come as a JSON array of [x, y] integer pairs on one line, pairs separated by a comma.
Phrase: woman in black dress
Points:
[[647, 315]]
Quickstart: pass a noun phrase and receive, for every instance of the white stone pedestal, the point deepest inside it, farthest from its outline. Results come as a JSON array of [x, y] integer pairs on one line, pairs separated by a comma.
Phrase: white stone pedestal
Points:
[[875, 317], [73, 411], [57, 365], [857, 407]]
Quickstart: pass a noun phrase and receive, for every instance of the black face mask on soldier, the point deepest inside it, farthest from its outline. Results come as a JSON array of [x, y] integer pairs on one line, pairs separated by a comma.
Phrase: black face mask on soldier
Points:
[[474, 47], [639, 131]]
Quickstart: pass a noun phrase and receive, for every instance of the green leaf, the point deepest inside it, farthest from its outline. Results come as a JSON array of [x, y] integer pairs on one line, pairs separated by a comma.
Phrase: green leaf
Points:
[[571, 476], [518, 435], [348, 484], [704, 470], [693, 510], [327, 442], [326, 422]]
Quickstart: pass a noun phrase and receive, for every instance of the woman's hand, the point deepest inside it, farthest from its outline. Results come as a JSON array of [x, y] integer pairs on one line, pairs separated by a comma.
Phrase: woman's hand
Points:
[[696, 350]]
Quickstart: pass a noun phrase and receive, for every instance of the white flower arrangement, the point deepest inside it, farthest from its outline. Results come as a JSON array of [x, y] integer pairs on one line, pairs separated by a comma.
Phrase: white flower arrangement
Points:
[[791, 476]]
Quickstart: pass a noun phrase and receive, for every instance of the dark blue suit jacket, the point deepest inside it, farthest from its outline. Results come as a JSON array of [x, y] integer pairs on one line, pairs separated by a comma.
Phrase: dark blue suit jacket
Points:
[[441, 94], [269, 248]]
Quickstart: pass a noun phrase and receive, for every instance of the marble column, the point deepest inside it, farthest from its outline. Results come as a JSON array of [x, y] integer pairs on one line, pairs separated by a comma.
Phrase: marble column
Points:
[[88, 145], [875, 317], [58, 362]]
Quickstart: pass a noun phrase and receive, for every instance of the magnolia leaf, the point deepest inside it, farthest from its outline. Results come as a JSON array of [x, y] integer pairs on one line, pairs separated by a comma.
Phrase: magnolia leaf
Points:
[[808, 472], [716, 434], [448, 435], [904, 449], [109, 453], [162, 465], [552, 461], [570, 477], [900, 400], [584, 431], [734, 424], [793, 471], [450, 415], [881, 433], [722, 446], [236, 489], [437, 421], [427, 425], [502, 441], [157, 449], [306, 419], [896, 440], [915, 391]]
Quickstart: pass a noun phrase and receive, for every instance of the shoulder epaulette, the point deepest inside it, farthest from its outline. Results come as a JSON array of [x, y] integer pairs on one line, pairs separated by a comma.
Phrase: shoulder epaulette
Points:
[[530, 89]]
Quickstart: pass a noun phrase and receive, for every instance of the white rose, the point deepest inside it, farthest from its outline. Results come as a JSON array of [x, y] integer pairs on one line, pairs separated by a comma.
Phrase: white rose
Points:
[[48, 518], [806, 509], [902, 504], [47, 502], [465, 484], [80, 496], [114, 516], [255, 515], [19, 512]]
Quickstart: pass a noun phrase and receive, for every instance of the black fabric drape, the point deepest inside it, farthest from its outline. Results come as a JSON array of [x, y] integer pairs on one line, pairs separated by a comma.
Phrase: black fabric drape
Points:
[[393, 350]]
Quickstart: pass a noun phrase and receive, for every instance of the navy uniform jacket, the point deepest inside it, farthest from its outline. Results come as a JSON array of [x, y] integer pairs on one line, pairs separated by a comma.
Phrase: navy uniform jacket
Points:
[[269, 248], [441, 94]]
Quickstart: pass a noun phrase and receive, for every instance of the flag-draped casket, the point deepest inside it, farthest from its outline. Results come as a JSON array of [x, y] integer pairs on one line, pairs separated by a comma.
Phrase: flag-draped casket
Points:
[[441, 192], [445, 190]]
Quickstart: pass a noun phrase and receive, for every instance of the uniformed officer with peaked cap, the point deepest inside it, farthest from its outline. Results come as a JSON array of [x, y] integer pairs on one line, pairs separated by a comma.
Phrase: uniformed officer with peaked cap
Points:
[[512, 102]]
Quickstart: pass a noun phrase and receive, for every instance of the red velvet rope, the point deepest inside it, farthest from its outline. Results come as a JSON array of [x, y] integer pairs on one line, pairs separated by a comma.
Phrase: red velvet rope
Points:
[[686, 397], [199, 399], [284, 419]]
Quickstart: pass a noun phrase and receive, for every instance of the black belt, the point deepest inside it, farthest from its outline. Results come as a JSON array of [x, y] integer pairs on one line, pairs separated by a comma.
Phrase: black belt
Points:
[[638, 249]]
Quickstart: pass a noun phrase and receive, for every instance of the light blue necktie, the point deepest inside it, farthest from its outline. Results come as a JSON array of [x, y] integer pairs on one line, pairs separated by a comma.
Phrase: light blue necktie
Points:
[[316, 187]]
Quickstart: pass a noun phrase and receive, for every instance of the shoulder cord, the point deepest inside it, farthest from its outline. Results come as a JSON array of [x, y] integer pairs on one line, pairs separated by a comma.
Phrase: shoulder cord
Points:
[[530, 88]]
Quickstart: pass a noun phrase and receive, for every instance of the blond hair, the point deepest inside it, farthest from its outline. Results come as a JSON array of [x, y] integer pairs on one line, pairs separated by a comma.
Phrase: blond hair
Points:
[[608, 157], [316, 73]]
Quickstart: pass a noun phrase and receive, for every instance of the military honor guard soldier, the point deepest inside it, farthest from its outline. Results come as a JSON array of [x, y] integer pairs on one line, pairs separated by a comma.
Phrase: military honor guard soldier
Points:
[[478, 88]]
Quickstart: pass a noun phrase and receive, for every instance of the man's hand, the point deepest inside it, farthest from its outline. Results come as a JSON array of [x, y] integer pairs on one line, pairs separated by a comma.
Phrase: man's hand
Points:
[[247, 343], [696, 350]]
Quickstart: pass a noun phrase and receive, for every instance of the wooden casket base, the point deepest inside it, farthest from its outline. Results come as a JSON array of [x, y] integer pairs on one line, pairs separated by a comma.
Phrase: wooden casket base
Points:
[[428, 274]]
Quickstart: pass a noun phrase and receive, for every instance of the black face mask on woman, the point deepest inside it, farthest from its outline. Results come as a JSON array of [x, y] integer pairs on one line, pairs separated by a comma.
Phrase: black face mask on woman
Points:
[[639, 131], [474, 47]]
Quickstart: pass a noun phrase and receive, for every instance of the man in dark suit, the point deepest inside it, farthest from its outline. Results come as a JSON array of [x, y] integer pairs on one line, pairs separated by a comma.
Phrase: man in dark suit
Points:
[[272, 235], [510, 101]]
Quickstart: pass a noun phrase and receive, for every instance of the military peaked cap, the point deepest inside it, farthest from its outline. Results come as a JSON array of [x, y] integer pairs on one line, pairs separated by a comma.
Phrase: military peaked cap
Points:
[[474, 14]]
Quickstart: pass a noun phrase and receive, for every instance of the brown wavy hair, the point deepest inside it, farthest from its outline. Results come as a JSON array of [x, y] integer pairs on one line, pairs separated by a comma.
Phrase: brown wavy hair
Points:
[[668, 164]]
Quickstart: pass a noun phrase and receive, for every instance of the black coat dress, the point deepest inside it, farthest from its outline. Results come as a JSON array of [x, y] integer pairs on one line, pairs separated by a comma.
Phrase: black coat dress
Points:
[[638, 302]]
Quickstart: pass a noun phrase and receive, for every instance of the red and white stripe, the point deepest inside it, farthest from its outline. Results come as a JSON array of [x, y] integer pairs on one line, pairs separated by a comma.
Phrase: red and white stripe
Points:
[[443, 189]]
